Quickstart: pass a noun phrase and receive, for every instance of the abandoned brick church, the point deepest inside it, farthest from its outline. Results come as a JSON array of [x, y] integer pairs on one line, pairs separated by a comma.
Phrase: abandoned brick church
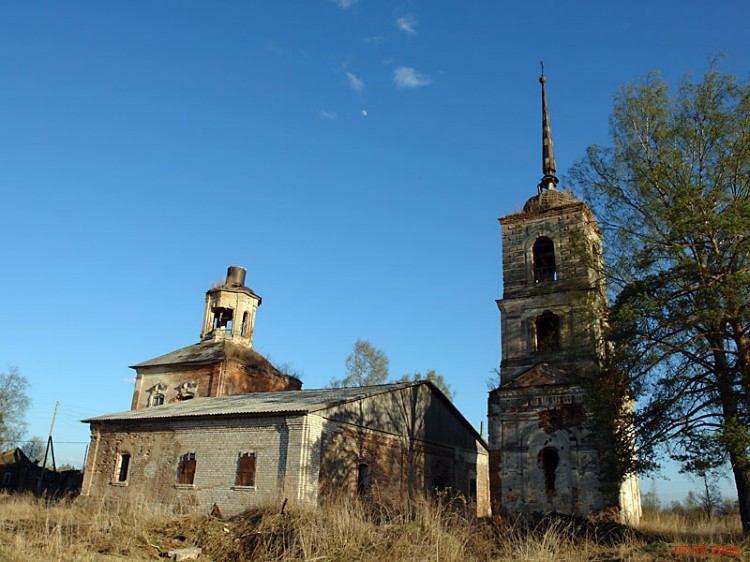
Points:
[[216, 424]]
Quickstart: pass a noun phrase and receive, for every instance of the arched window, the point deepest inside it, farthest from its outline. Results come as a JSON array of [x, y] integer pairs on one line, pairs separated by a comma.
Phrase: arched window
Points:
[[157, 394], [244, 324], [548, 460], [545, 268], [187, 390], [547, 332]]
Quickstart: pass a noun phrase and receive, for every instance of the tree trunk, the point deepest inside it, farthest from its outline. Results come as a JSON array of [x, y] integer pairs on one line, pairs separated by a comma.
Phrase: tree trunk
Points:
[[742, 482], [737, 450]]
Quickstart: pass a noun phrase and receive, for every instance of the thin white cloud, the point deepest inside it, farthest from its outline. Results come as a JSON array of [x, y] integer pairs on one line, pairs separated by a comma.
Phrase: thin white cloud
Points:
[[345, 4], [407, 24], [355, 83], [406, 78], [373, 39], [327, 114]]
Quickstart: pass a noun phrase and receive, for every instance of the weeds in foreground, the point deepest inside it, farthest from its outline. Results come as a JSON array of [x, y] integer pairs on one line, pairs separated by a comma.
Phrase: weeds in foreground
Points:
[[343, 530]]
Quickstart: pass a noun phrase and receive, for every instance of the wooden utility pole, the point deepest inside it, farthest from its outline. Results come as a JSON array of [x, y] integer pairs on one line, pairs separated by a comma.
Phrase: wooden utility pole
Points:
[[50, 448]]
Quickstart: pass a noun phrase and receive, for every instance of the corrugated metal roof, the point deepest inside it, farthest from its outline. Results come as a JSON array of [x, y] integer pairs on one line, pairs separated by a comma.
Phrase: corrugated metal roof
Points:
[[285, 402]]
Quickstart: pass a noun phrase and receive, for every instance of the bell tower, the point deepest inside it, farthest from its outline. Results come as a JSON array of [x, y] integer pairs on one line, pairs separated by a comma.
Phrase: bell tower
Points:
[[542, 457], [230, 310]]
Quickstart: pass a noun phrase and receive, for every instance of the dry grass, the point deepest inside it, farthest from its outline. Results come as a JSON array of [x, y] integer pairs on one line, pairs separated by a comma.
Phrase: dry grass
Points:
[[96, 531]]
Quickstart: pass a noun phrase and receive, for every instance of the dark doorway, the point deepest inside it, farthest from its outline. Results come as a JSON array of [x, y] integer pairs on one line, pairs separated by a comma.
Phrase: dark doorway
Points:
[[363, 479], [549, 459]]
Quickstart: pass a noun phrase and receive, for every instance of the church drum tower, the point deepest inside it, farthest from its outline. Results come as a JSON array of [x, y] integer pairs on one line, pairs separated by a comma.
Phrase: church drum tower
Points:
[[222, 363], [542, 457]]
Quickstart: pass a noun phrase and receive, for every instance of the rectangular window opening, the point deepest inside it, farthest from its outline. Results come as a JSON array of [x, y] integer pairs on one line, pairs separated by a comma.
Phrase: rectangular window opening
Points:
[[245, 470], [123, 467], [186, 469]]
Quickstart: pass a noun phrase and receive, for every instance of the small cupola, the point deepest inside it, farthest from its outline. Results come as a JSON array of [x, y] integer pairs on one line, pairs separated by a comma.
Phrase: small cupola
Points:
[[230, 309]]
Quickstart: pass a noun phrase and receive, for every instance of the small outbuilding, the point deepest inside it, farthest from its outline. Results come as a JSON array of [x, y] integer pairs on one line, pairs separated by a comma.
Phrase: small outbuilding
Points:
[[17, 472]]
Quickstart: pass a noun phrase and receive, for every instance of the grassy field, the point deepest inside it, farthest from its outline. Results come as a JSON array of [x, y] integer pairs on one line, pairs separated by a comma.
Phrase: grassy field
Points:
[[87, 530]]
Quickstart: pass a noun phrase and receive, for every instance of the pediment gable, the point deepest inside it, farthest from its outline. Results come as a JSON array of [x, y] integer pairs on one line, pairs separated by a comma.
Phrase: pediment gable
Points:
[[541, 374]]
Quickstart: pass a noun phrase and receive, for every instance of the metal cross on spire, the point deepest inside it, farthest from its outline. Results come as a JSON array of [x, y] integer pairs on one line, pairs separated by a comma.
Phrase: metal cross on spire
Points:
[[549, 180]]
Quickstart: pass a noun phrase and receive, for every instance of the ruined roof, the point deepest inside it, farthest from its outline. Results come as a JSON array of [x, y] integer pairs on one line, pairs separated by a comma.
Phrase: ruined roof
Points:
[[235, 283], [549, 199], [283, 402], [13, 456], [213, 351], [235, 289]]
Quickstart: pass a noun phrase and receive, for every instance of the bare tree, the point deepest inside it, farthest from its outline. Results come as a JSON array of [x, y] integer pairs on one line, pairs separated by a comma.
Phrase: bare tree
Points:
[[34, 448], [14, 401]]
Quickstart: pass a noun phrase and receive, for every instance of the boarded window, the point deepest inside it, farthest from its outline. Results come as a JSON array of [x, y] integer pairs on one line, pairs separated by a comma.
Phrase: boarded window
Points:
[[547, 333], [363, 479], [245, 470], [186, 469], [123, 465], [545, 268]]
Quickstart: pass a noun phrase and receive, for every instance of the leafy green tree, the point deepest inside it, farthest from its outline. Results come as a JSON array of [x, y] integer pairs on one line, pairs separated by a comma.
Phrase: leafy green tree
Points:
[[672, 197], [14, 401], [365, 366], [434, 378]]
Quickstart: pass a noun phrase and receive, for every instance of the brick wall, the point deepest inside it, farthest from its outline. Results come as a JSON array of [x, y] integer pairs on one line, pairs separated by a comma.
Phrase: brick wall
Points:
[[398, 467], [155, 449]]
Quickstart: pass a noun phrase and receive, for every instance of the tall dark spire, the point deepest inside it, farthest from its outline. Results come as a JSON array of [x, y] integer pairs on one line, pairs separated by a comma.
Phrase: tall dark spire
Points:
[[549, 180]]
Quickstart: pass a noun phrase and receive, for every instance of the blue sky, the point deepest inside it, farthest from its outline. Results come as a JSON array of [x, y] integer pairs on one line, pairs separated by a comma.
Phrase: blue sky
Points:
[[354, 156]]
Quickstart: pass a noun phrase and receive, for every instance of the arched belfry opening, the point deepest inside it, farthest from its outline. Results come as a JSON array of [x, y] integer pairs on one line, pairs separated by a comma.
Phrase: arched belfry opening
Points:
[[545, 268], [223, 319], [547, 332]]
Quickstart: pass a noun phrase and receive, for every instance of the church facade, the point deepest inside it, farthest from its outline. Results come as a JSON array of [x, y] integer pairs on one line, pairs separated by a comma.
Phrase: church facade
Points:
[[543, 458]]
